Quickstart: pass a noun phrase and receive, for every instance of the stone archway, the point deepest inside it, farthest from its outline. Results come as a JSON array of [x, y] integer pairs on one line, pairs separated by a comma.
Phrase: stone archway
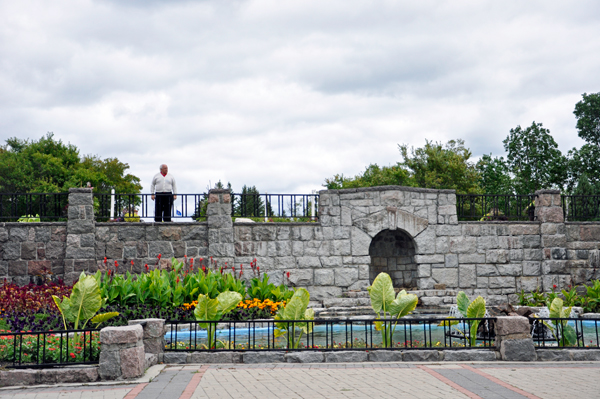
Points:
[[393, 252]]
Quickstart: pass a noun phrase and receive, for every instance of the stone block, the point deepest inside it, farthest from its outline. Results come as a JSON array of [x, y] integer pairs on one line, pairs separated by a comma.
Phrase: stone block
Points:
[[550, 215], [73, 252], [324, 292], [159, 247], [509, 325], [301, 277], [385, 356], [496, 256], [345, 276], [469, 355], [305, 357], [587, 355], [17, 268], [461, 244], [133, 361], [557, 240], [121, 335], [17, 377], [532, 254], [438, 258], [421, 356], [559, 253], [555, 267], [346, 357], [532, 241], [471, 258], [423, 271], [11, 251], [486, 270], [445, 276], [451, 260], [448, 230], [553, 355], [511, 269], [467, 277], [81, 226], [518, 350], [325, 277], [152, 328], [263, 357], [501, 282], [215, 357], [175, 357], [109, 367]]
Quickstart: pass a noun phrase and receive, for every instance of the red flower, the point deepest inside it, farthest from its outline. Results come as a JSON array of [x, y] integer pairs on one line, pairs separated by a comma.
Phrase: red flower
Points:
[[221, 270], [108, 272], [288, 275], [159, 256], [177, 279], [105, 260], [72, 355], [116, 264], [131, 263], [241, 272], [554, 286], [146, 266]]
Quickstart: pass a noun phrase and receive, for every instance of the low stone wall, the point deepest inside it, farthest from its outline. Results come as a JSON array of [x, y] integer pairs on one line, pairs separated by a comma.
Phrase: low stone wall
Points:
[[411, 233]]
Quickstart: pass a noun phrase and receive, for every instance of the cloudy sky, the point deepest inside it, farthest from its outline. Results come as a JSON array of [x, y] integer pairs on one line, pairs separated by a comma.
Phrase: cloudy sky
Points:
[[282, 94]]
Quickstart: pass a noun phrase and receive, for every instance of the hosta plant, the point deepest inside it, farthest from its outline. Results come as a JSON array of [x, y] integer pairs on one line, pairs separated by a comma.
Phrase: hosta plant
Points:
[[83, 304], [388, 305], [564, 334], [213, 310], [470, 310], [294, 318]]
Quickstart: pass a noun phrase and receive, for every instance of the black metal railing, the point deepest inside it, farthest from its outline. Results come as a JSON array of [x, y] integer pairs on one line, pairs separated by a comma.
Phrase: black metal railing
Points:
[[134, 207], [297, 206], [49, 348], [581, 207], [328, 334], [487, 207], [556, 333], [46, 206]]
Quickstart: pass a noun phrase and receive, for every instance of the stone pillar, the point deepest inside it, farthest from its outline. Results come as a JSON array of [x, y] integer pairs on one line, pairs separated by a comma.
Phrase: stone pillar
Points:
[[220, 226], [80, 254], [549, 211], [513, 339], [121, 352], [154, 338]]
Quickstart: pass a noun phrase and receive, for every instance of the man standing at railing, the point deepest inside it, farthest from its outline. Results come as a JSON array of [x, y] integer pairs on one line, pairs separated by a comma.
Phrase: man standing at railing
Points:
[[164, 188]]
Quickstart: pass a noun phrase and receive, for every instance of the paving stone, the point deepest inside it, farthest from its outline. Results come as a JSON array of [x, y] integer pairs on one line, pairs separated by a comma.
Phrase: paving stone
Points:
[[305, 357], [469, 355], [263, 357], [385, 356], [421, 356], [346, 356]]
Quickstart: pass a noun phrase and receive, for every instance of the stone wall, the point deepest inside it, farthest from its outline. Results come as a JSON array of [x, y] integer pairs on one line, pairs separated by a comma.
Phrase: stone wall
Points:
[[413, 234]]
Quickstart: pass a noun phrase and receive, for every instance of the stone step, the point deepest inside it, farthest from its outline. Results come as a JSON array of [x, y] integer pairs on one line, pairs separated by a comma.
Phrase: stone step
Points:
[[356, 294], [346, 302]]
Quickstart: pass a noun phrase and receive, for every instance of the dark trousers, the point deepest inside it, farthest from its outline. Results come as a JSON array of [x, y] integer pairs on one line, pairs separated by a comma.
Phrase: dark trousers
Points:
[[162, 207]]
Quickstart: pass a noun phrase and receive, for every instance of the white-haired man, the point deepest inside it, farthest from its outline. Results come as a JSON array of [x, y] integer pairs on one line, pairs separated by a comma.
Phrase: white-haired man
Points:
[[164, 189]]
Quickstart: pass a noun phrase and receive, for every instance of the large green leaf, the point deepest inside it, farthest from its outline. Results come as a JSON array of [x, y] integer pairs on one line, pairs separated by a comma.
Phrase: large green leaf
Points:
[[462, 302], [295, 308], [206, 309], [403, 304], [381, 292], [477, 308], [570, 335], [102, 317], [85, 300], [228, 300], [556, 308]]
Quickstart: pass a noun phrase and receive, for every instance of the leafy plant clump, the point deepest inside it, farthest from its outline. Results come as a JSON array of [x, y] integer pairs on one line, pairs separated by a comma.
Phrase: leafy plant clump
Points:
[[470, 310], [387, 305], [208, 310], [295, 313], [590, 301]]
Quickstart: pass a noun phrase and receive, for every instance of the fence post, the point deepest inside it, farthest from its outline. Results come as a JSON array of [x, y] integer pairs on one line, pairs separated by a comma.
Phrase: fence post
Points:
[[80, 254], [121, 352], [513, 339]]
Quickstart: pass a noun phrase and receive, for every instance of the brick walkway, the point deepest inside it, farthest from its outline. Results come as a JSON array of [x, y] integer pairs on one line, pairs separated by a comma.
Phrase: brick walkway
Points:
[[348, 380]]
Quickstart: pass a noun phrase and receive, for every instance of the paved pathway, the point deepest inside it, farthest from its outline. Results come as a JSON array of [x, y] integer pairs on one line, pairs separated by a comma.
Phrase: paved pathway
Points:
[[496, 380]]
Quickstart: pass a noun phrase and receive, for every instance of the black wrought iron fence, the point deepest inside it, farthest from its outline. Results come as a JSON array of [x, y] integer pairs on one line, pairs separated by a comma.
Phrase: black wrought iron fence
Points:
[[46, 206], [329, 334], [134, 207], [581, 207], [553, 333], [486, 207], [297, 206], [49, 348]]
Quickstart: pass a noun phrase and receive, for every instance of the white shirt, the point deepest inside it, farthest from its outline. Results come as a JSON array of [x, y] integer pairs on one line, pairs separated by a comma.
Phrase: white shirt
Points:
[[163, 184]]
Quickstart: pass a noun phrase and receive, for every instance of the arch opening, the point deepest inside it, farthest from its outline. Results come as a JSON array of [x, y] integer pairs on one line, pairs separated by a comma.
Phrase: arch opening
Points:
[[393, 252]]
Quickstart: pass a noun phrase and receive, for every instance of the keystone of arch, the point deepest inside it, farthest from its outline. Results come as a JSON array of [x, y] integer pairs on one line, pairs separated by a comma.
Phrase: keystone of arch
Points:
[[391, 218]]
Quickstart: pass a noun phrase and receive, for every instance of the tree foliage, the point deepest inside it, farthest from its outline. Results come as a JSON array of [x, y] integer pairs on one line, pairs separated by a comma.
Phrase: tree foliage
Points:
[[587, 112], [442, 166], [374, 175], [48, 166], [534, 159], [494, 175]]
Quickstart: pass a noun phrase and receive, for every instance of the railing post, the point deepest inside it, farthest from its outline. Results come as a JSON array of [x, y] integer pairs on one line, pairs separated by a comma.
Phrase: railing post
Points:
[[121, 352], [513, 339], [80, 253]]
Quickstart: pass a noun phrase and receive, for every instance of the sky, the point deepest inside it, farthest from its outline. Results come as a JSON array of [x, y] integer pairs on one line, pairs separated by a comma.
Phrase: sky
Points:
[[283, 94]]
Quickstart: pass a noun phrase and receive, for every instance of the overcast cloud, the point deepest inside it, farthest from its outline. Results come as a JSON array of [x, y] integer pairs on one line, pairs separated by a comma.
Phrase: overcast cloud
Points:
[[282, 94]]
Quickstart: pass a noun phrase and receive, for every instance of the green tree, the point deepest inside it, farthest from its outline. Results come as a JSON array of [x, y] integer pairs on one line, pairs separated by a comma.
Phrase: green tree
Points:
[[395, 175], [442, 166], [534, 159], [587, 112], [48, 166], [494, 175]]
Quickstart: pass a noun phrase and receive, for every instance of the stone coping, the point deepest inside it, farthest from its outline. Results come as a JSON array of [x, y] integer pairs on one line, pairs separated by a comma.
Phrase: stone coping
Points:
[[170, 224], [512, 222], [582, 222], [387, 188], [31, 224], [245, 224]]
